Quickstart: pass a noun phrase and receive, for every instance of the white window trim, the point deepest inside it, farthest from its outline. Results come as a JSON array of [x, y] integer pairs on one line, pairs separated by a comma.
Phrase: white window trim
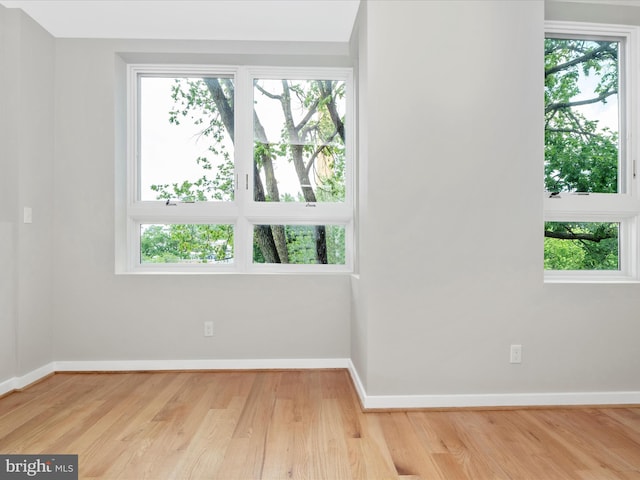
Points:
[[242, 212], [622, 208]]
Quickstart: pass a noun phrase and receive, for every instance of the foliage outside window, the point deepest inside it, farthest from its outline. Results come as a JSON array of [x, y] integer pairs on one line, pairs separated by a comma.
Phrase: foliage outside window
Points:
[[588, 174], [582, 151], [239, 169], [180, 243], [304, 242], [581, 246]]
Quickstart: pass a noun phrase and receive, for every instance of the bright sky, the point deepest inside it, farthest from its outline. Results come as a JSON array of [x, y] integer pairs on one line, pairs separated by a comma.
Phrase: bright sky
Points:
[[606, 113], [168, 152]]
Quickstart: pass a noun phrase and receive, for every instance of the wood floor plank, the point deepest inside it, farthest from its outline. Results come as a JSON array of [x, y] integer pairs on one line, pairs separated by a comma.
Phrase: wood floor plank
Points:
[[584, 438], [284, 443], [24, 415], [457, 440], [305, 425], [124, 431], [209, 443], [518, 451], [376, 455], [103, 400], [625, 417], [328, 439], [545, 452], [246, 450], [23, 404], [182, 413], [468, 440], [407, 454]]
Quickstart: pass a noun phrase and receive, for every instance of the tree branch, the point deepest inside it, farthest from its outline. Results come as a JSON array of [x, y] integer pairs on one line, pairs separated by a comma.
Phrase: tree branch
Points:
[[604, 49], [569, 235], [266, 93], [222, 103], [563, 105], [312, 111], [570, 130], [326, 88], [319, 151]]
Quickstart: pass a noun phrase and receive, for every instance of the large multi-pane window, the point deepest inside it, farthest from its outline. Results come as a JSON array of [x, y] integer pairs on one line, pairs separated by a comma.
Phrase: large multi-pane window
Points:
[[239, 169], [591, 205]]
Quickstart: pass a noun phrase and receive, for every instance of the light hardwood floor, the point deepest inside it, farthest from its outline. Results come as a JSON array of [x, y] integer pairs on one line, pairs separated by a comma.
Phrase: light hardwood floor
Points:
[[301, 425]]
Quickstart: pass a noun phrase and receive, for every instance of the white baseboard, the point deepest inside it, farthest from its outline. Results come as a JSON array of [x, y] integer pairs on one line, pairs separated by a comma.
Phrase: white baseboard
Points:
[[372, 402], [357, 383], [390, 402], [212, 364], [369, 402], [16, 383]]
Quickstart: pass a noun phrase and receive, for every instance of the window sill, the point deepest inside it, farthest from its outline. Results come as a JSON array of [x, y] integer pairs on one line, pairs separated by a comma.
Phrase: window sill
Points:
[[610, 280], [162, 273]]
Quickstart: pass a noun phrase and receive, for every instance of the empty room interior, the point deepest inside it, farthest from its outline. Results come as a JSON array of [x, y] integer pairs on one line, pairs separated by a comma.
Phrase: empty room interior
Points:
[[320, 239]]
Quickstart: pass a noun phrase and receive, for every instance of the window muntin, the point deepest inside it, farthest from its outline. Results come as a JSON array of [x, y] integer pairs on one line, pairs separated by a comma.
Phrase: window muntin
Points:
[[589, 166], [225, 199]]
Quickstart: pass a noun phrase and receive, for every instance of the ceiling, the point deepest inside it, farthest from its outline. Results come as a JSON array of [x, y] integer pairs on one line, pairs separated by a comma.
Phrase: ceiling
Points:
[[255, 20]]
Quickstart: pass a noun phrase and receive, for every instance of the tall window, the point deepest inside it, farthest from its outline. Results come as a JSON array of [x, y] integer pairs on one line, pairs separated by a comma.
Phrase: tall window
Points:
[[239, 169], [591, 205]]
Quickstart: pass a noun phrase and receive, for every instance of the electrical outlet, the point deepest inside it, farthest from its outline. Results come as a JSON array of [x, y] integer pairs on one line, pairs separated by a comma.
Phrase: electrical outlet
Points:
[[208, 329], [516, 354]]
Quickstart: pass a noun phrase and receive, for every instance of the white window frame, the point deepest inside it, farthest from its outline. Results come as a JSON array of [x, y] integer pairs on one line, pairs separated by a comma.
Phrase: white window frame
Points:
[[243, 212], [623, 207]]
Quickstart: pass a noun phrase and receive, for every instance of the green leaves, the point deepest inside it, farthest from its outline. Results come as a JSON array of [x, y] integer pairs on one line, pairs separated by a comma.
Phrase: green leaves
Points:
[[193, 101], [186, 243], [302, 240], [581, 151], [581, 246]]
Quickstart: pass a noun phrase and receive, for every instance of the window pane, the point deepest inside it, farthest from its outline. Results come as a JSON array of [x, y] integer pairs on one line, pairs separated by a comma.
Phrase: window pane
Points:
[[186, 151], [582, 111], [581, 246], [299, 144], [186, 243], [299, 244]]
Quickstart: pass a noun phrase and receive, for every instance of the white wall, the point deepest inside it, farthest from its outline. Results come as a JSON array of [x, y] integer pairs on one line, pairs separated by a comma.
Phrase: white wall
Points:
[[8, 201], [451, 247], [359, 326], [103, 316], [26, 166]]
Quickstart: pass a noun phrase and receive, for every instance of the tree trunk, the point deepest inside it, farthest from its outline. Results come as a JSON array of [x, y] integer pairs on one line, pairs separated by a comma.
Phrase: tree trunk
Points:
[[264, 235], [301, 171], [326, 89], [279, 237]]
